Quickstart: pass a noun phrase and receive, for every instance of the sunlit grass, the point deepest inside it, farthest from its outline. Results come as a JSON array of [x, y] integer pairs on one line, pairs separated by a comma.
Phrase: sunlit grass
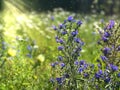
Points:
[[38, 27], [29, 22]]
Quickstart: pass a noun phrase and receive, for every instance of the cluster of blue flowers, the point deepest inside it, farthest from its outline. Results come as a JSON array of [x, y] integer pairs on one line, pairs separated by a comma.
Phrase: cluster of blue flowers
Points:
[[74, 72], [69, 50], [109, 63]]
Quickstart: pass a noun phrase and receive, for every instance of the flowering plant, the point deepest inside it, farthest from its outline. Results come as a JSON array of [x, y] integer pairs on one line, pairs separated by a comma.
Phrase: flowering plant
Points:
[[75, 74]]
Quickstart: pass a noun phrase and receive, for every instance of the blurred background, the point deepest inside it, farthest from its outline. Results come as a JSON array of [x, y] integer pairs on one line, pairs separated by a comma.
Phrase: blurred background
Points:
[[27, 37], [108, 7]]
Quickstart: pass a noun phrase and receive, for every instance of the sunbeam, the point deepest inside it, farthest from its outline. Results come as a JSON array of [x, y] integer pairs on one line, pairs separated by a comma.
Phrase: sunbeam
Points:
[[16, 17]]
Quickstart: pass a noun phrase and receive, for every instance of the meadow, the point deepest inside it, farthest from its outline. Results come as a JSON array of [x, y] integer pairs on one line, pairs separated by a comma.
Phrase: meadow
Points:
[[28, 45]]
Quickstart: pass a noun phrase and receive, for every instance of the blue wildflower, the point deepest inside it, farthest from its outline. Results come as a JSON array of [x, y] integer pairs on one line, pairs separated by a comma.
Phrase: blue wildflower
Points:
[[82, 43], [61, 26], [79, 49], [97, 75], [70, 18], [80, 70], [106, 34], [79, 23], [57, 39], [104, 58], [106, 50], [76, 62], [85, 66], [53, 65], [54, 27], [111, 24], [60, 58], [113, 67], [67, 76], [99, 65], [77, 40], [118, 75], [86, 74], [82, 62], [105, 39], [65, 21], [74, 33], [64, 32], [61, 41], [62, 65], [60, 48], [59, 80], [100, 72], [107, 80]]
